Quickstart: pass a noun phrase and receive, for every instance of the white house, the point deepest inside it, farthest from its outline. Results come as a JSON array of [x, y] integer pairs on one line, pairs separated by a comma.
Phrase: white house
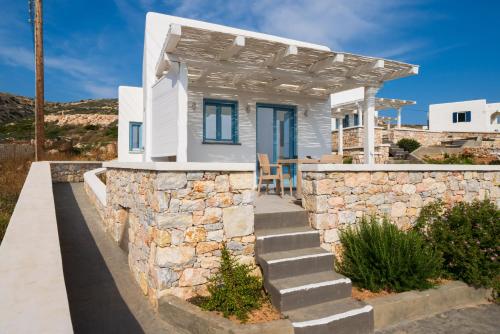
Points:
[[212, 93], [465, 116]]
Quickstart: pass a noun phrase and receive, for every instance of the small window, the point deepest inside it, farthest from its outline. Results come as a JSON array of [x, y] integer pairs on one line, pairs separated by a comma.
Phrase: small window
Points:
[[462, 117], [135, 144], [356, 119], [220, 121], [345, 121]]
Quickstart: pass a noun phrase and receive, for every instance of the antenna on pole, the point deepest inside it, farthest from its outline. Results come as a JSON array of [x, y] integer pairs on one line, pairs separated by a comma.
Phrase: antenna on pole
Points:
[[39, 82]]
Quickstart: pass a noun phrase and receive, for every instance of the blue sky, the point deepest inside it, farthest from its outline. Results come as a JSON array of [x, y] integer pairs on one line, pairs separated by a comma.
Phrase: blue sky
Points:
[[93, 46]]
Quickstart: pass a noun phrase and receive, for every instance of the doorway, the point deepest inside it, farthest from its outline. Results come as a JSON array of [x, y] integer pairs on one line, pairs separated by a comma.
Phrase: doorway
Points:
[[276, 132]]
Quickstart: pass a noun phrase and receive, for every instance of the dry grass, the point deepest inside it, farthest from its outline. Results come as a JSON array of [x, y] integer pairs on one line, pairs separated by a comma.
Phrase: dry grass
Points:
[[12, 175]]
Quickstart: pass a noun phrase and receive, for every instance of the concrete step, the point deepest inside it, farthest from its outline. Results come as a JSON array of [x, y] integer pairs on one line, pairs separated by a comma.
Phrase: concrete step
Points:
[[283, 239], [295, 262], [270, 221], [304, 290], [343, 316]]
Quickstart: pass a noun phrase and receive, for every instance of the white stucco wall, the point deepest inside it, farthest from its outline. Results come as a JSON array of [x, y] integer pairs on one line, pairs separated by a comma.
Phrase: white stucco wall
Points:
[[169, 116], [441, 116], [313, 131], [129, 110]]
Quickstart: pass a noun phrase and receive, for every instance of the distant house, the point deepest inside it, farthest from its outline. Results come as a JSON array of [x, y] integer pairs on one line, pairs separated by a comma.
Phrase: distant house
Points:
[[465, 116], [212, 93]]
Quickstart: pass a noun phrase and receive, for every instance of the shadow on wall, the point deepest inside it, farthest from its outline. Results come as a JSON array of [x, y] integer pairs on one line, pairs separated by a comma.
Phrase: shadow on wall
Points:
[[96, 305]]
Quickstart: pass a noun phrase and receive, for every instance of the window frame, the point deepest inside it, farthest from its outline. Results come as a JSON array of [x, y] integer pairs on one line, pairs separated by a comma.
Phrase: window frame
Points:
[[467, 117], [218, 122], [132, 149]]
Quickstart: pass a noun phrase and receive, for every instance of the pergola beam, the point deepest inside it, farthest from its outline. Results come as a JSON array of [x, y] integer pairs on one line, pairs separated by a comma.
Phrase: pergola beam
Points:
[[326, 62], [233, 49], [413, 70], [280, 56], [366, 68], [173, 38]]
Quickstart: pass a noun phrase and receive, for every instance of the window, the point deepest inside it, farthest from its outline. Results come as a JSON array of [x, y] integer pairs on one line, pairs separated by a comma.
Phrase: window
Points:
[[345, 121], [135, 137], [356, 119], [461, 117], [220, 121]]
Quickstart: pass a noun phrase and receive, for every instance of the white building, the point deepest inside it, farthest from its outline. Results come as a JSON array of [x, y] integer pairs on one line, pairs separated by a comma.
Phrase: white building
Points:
[[212, 93], [465, 116]]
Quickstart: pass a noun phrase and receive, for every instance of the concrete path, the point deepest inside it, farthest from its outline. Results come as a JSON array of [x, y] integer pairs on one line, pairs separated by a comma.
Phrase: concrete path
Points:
[[103, 296], [483, 319]]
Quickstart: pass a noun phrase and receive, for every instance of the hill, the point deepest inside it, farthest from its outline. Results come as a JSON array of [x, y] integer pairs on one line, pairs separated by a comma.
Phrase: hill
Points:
[[14, 108]]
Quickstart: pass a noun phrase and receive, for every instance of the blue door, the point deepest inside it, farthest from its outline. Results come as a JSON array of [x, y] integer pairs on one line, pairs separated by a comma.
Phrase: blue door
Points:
[[276, 132]]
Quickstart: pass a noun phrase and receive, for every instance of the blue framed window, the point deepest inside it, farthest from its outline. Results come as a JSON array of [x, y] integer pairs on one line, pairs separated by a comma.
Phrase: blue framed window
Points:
[[356, 119], [135, 136], [461, 117], [220, 121], [345, 121]]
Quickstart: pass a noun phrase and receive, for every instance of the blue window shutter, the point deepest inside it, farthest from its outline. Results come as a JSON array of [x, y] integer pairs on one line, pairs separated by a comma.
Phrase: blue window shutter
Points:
[[130, 136], [140, 137], [455, 117], [234, 123], [467, 116], [356, 119]]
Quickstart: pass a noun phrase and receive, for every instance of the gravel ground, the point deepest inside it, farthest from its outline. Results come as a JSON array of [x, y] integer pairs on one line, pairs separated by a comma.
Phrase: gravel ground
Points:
[[483, 319]]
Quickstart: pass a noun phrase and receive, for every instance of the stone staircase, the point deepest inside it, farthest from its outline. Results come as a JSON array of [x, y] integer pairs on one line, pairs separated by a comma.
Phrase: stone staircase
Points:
[[299, 276]]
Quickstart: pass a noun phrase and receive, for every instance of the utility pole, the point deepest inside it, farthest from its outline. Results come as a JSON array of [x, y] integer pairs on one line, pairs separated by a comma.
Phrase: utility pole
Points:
[[39, 98]]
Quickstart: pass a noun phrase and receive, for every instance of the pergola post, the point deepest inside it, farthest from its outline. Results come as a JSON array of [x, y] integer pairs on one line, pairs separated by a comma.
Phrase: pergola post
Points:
[[340, 149], [399, 117], [360, 114], [369, 123]]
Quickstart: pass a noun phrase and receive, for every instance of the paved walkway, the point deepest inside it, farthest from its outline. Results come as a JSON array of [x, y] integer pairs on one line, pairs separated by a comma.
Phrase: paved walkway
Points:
[[102, 293], [483, 319]]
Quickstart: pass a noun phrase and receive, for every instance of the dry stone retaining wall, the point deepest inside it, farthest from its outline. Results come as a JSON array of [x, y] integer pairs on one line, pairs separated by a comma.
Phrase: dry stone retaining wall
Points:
[[336, 199], [71, 171], [174, 225]]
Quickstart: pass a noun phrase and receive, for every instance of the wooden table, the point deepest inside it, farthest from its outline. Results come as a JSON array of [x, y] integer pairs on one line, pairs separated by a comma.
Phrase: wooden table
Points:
[[298, 162]]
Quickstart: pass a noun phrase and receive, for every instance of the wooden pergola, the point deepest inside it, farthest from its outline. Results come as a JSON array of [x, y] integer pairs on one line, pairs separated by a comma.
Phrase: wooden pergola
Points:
[[222, 60], [251, 62]]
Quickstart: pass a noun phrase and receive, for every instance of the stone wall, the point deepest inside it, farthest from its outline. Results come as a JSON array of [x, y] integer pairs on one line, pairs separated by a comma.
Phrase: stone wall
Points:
[[71, 171], [338, 196], [429, 138], [357, 154], [353, 137], [174, 223]]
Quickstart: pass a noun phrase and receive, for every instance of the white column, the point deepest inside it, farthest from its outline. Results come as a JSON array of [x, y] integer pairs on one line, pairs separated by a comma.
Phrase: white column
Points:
[[360, 114], [369, 124], [340, 149], [399, 117]]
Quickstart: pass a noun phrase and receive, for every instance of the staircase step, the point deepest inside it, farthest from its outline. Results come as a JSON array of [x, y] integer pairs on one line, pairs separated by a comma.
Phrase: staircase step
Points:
[[270, 221], [304, 290], [283, 239], [343, 316], [295, 262]]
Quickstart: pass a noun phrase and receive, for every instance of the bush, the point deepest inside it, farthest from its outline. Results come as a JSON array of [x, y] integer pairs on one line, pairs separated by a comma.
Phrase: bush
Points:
[[379, 256], [347, 160], [408, 144], [454, 159], [233, 291], [468, 236]]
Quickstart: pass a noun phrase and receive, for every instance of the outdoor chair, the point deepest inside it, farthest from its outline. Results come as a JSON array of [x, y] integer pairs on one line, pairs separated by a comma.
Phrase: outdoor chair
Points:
[[331, 159], [266, 173]]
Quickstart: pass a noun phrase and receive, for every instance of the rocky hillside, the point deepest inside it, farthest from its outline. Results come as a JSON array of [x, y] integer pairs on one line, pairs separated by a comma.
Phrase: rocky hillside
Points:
[[14, 108]]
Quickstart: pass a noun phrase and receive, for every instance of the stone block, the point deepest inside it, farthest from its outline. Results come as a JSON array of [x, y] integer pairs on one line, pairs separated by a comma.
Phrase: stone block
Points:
[[169, 181], [240, 181], [195, 234], [192, 276], [174, 220], [222, 183], [331, 235], [398, 209], [174, 255], [205, 247], [238, 221]]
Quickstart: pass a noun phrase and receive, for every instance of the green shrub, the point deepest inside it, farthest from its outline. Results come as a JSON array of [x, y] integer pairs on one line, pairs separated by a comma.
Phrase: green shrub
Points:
[[379, 256], [347, 160], [468, 236], [454, 159], [408, 144], [233, 290]]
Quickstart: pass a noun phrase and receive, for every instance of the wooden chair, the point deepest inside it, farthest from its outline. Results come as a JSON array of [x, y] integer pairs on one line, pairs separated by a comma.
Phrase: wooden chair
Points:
[[287, 176], [330, 159], [266, 174]]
